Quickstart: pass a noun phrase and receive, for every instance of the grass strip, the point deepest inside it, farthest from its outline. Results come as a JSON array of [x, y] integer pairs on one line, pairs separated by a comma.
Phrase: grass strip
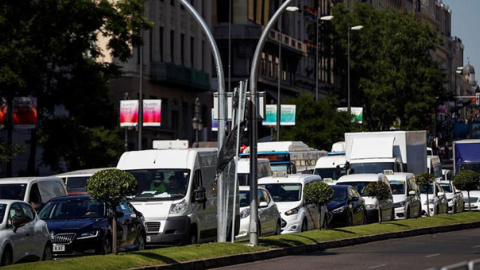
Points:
[[152, 257]]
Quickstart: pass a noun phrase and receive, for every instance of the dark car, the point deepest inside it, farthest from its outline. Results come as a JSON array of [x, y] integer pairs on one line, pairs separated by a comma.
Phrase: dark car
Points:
[[346, 207], [79, 226]]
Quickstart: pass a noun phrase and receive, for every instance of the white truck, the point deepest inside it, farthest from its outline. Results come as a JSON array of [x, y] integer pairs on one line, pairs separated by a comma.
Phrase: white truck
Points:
[[176, 192], [375, 152]]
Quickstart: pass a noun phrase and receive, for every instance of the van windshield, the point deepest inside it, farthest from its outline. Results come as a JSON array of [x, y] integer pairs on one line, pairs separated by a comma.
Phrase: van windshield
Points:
[[398, 187], [284, 192], [161, 184], [77, 184], [12, 191], [359, 186], [332, 173], [377, 167]]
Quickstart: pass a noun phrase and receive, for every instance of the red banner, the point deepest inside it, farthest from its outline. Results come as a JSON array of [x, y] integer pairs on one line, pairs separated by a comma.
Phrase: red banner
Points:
[[25, 112]]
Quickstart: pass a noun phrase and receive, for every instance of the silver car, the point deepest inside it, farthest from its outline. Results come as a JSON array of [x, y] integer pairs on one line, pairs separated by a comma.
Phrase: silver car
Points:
[[23, 236]]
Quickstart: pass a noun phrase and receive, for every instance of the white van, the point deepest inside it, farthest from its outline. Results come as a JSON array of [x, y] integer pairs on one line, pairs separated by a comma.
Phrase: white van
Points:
[[34, 190], [406, 195], [287, 192], [177, 192], [77, 180], [434, 167], [243, 170], [330, 168], [373, 205]]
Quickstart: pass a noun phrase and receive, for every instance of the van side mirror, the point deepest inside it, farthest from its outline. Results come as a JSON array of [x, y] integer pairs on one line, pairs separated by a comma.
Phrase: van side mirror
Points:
[[199, 195], [263, 205], [17, 222], [440, 193], [411, 193]]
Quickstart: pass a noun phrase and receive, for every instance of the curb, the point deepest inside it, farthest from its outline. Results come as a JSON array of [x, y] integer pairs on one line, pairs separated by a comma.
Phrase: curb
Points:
[[296, 250]]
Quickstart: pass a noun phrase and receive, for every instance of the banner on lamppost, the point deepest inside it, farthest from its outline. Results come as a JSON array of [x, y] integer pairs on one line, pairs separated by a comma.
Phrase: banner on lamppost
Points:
[[3, 112], [287, 115], [128, 113], [152, 109], [357, 113], [25, 112]]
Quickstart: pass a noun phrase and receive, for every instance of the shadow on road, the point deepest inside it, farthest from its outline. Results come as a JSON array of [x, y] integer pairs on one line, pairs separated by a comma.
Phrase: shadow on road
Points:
[[154, 256], [397, 224], [342, 230]]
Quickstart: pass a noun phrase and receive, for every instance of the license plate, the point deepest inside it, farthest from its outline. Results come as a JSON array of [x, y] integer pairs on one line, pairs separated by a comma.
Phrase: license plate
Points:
[[149, 239], [57, 248]]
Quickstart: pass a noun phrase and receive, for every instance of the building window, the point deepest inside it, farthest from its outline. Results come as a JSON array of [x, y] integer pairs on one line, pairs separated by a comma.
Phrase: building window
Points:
[[150, 45], [264, 64], [160, 41], [203, 55], [172, 46], [270, 66], [182, 48], [172, 2], [192, 55]]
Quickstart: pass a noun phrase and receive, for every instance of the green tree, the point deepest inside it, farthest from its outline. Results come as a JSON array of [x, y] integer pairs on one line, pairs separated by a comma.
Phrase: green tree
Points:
[[381, 191], [110, 186], [393, 74], [318, 124], [51, 50], [425, 180], [318, 193], [467, 180]]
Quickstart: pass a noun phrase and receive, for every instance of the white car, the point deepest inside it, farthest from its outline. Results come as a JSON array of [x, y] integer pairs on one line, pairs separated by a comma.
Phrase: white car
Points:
[[22, 234], [474, 200], [454, 196], [287, 192], [373, 205], [269, 220], [437, 201], [406, 195]]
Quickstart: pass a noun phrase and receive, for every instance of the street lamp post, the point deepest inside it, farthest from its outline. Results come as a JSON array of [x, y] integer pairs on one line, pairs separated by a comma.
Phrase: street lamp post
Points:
[[197, 122], [355, 28], [323, 18]]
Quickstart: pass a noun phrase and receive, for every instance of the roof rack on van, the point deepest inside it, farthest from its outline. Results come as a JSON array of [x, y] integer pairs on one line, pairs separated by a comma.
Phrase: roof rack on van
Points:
[[279, 174], [165, 144]]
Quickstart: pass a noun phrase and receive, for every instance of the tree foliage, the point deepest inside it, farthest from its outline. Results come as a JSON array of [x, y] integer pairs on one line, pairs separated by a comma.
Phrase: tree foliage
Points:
[[393, 74], [425, 180], [379, 190], [111, 186], [318, 193], [318, 124], [52, 50], [466, 180]]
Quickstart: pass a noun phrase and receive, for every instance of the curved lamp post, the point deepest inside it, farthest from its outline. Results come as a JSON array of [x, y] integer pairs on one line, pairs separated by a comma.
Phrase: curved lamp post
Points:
[[253, 122], [355, 28]]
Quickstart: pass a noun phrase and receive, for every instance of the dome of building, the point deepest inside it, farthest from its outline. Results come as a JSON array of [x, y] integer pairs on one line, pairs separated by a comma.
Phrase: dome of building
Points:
[[468, 69]]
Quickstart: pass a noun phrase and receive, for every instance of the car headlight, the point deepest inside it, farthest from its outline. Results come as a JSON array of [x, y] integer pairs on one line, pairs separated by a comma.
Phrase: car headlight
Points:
[[178, 208], [338, 210], [293, 211], [370, 206], [85, 235], [399, 204], [245, 213]]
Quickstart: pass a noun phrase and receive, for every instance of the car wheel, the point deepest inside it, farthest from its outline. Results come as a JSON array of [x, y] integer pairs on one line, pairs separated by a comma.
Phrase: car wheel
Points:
[[325, 222], [349, 219], [47, 253], [392, 215], [106, 247], [304, 225], [140, 241], [7, 257], [407, 215], [191, 238], [259, 228], [278, 228], [365, 220]]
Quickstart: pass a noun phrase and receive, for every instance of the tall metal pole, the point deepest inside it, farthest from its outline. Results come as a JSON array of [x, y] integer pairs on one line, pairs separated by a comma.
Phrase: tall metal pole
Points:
[[140, 97], [230, 46], [253, 124], [348, 71], [221, 219], [316, 56], [279, 75]]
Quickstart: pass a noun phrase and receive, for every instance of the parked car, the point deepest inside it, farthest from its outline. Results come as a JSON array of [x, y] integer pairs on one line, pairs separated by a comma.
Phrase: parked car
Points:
[[437, 201], [454, 196], [79, 226], [23, 236], [406, 195], [474, 200], [373, 205], [269, 220], [75, 181], [346, 207], [34, 190], [287, 192]]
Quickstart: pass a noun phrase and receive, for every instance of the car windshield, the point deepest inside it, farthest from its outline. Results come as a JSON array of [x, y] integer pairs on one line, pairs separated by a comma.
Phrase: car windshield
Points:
[[284, 192], [2, 212], [161, 184], [72, 209], [423, 190], [77, 183], [12, 191], [447, 188], [378, 167], [398, 187], [332, 173], [359, 186], [339, 194]]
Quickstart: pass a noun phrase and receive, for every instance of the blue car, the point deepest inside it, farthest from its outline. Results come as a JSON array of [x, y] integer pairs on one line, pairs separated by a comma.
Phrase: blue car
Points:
[[79, 226], [346, 207]]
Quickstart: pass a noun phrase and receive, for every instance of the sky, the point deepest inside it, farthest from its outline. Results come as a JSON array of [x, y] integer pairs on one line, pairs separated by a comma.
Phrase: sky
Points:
[[465, 25]]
